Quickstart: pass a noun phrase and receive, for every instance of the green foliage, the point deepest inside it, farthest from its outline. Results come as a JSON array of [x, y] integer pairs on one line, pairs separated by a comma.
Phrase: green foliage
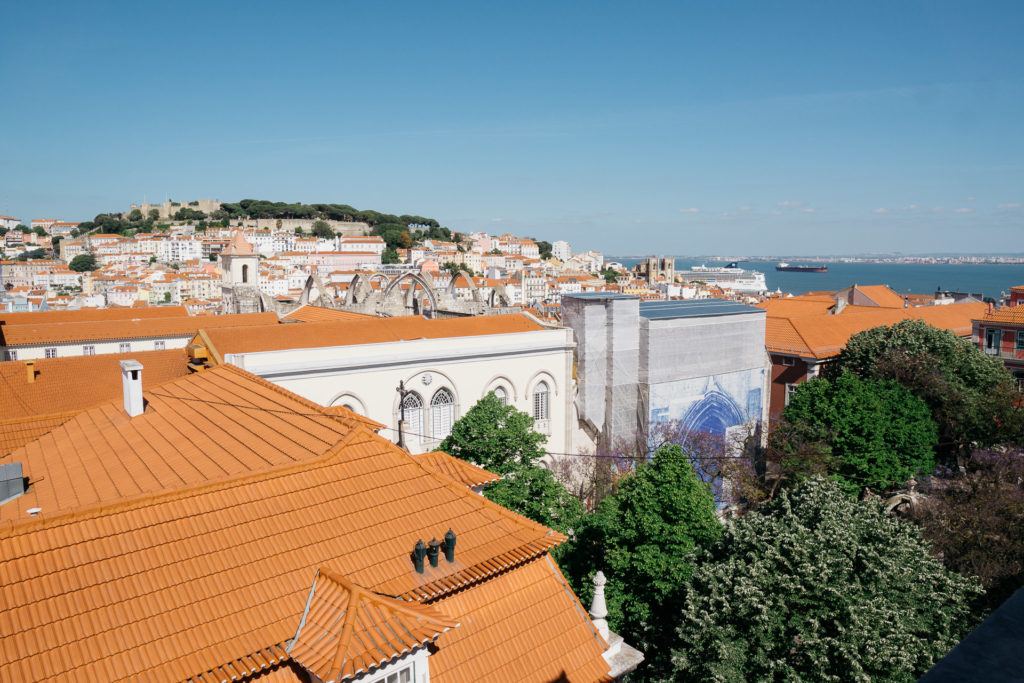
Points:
[[496, 437], [535, 493], [83, 262], [610, 275], [643, 537], [501, 439], [322, 230], [187, 214], [390, 256], [395, 235], [39, 231], [971, 395], [135, 215], [261, 208], [167, 297], [874, 432], [819, 587], [545, 249], [31, 255]]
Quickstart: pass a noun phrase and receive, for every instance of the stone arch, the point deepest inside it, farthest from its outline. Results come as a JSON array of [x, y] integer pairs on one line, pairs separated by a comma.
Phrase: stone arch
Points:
[[499, 297], [347, 398], [713, 414], [413, 279], [475, 291], [502, 381]]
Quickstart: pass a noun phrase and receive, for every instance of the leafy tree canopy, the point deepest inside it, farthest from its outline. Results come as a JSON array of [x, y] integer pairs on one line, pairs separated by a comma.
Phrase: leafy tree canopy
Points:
[[322, 230], [261, 208], [643, 537], [495, 436], [874, 433], [971, 395], [819, 587], [83, 262]]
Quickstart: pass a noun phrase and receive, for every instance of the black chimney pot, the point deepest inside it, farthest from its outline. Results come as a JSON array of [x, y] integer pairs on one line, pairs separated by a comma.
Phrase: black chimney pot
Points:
[[449, 546], [418, 553], [432, 551]]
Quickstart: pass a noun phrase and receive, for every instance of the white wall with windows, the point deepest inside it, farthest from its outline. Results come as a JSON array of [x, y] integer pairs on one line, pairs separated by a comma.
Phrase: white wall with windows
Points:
[[91, 348], [443, 379]]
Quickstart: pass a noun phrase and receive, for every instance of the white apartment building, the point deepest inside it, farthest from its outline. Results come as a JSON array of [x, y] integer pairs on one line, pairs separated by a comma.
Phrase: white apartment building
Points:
[[561, 250], [9, 222]]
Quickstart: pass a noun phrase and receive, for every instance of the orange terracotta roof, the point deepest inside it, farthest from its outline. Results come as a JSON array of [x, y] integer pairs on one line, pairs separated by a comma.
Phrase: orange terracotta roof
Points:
[[176, 442], [91, 315], [342, 411], [347, 630], [466, 473], [309, 313], [71, 332], [1007, 314], [798, 305], [238, 246], [173, 585], [17, 432], [882, 295], [370, 331], [74, 383], [824, 336], [525, 625]]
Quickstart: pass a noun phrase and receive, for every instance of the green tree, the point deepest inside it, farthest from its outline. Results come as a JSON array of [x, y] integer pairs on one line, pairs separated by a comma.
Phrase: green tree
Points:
[[390, 256], [874, 433], [83, 262], [495, 436], [322, 230], [971, 395], [39, 231], [545, 249], [610, 275], [153, 215], [643, 537], [167, 297], [134, 215], [501, 439], [819, 587], [187, 214]]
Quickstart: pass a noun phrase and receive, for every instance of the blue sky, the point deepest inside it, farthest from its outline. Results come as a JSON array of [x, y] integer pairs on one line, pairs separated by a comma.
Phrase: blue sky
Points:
[[681, 127]]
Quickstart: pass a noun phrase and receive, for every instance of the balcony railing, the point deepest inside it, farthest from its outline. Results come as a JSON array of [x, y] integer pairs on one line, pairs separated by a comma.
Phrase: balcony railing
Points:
[[1008, 354]]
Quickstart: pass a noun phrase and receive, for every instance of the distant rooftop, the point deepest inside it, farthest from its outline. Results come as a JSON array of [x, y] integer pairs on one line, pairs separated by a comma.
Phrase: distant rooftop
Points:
[[693, 308], [598, 295]]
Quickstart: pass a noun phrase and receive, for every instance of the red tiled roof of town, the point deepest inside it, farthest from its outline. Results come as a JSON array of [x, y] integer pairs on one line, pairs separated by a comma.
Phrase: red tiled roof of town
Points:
[[881, 295], [134, 328], [1007, 314], [370, 331]]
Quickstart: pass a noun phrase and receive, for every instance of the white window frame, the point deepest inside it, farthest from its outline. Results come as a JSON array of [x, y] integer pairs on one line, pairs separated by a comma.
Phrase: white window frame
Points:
[[12, 354], [411, 408], [442, 413], [50, 352], [89, 350], [790, 389], [501, 393], [788, 361], [160, 345], [124, 347], [541, 407]]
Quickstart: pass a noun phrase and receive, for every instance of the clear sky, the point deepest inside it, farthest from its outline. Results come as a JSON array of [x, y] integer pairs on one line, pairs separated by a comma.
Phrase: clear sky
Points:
[[631, 127]]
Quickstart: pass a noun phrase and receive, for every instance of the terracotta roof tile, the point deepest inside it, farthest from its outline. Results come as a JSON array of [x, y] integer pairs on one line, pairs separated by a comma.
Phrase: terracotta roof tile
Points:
[[370, 331], [91, 315], [882, 295], [1008, 314], [74, 383], [315, 314], [525, 625], [71, 332], [168, 586], [465, 473], [347, 630], [199, 428]]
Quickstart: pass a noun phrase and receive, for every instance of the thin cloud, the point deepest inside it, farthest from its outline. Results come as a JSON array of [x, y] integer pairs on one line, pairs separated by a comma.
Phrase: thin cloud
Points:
[[690, 209], [881, 210], [963, 209]]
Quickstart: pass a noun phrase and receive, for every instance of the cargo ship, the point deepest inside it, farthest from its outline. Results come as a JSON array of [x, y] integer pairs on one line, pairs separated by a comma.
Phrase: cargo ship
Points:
[[786, 268]]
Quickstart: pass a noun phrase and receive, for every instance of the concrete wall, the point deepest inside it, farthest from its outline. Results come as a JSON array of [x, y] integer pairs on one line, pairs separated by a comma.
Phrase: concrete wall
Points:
[[101, 347]]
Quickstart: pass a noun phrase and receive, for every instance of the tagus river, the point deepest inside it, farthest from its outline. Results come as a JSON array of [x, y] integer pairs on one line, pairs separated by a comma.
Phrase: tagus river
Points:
[[986, 279]]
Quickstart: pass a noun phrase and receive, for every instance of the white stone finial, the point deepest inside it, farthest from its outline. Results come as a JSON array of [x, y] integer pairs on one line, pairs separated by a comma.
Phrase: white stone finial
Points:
[[598, 607]]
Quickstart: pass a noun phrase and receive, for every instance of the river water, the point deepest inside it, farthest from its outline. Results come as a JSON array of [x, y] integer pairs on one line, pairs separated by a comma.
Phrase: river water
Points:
[[989, 280]]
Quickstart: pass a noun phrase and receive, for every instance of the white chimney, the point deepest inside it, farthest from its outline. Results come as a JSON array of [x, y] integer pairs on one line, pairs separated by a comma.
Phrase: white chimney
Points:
[[131, 381]]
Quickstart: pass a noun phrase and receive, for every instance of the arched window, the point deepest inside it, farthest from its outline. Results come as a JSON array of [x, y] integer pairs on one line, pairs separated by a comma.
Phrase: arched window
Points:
[[541, 405], [442, 414], [501, 395], [245, 273], [412, 413]]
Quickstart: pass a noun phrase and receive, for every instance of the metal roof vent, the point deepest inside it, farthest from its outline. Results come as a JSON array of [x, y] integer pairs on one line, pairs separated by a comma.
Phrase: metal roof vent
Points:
[[12, 481], [419, 552], [449, 546], [433, 551]]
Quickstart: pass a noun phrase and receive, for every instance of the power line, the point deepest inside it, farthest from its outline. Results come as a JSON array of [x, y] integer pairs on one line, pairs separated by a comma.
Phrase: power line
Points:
[[407, 433]]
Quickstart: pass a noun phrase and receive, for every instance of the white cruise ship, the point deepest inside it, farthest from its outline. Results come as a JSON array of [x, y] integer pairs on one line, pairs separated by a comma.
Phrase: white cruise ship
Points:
[[730, 276]]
